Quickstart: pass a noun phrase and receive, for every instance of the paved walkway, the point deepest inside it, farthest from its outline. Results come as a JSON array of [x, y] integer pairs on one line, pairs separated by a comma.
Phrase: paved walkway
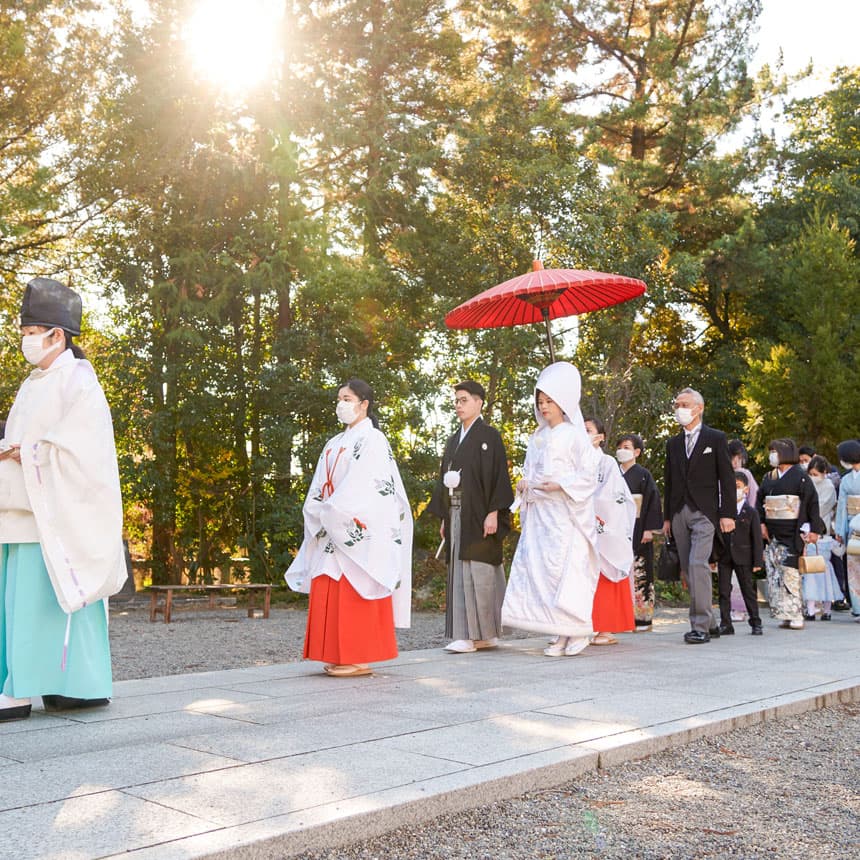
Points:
[[273, 760]]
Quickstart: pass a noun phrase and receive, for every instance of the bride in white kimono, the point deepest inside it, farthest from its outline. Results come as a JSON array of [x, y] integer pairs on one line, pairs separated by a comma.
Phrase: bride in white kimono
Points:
[[556, 565]]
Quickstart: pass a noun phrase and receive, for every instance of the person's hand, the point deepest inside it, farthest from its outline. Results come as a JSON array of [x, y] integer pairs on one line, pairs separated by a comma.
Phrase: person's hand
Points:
[[522, 485], [756, 569], [491, 523], [810, 537], [13, 452], [764, 532], [647, 537], [838, 539], [549, 486], [667, 528], [727, 524]]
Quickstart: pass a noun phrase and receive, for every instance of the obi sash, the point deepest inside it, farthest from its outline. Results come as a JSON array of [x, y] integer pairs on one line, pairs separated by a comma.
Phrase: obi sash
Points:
[[782, 507]]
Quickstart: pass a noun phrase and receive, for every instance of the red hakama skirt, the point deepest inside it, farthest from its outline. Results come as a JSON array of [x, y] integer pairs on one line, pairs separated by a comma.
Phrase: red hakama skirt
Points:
[[612, 611], [344, 628]]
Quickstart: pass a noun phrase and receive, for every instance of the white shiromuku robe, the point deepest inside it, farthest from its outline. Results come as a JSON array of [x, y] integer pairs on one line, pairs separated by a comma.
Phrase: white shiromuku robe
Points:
[[556, 566], [358, 522]]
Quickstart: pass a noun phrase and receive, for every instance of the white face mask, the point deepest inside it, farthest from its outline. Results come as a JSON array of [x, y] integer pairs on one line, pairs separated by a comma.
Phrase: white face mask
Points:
[[33, 348], [804, 466], [742, 494], [818, 479], [846, 465], [624, 455], [347, 411], [773, 459], [683, 415]]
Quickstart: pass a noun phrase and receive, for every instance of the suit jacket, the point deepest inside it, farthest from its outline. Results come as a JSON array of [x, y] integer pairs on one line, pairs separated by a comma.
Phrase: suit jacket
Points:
[[707, 479], [485, 486], [744, 546]]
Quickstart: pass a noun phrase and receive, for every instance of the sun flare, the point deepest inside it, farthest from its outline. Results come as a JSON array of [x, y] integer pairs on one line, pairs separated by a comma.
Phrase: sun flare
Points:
[[232, 43]]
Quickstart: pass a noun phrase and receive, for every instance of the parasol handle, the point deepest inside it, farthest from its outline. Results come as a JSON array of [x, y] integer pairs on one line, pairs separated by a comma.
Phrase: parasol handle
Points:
[[545, 314]]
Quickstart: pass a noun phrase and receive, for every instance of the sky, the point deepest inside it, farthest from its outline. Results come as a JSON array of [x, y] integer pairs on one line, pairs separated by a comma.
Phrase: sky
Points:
[[824, 31]]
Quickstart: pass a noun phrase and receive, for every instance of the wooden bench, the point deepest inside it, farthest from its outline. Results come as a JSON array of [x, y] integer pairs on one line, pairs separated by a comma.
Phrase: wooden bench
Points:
[[212, 591]]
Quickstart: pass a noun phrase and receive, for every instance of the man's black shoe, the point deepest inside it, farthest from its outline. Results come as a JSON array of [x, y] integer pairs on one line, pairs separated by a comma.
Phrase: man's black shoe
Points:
[[695, 637], [19, 712], [67, 703], [840, 605], [714, 632], [757, 631], [727, 630]]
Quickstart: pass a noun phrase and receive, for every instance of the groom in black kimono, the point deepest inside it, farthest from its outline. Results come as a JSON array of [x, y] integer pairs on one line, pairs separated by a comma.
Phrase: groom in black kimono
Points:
[[475, 519]]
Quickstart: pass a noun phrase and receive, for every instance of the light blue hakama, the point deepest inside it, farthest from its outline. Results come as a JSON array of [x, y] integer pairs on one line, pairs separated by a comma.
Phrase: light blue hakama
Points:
[[33, 630]]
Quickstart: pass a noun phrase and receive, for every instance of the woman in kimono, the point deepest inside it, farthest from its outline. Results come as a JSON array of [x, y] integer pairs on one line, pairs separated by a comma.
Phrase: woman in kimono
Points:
[[356, 556], [61, 549], [615, 509], [649, 519], [822, 587], [788, 508], [847, 509], [555, 567]]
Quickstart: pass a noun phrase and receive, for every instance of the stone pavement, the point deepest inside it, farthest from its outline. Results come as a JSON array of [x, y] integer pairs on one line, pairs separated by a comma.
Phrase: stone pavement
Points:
[[274, 760]]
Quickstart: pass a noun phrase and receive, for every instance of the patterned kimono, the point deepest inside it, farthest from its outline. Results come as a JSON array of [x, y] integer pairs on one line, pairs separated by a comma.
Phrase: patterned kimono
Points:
[[356, 556], [785, 543]]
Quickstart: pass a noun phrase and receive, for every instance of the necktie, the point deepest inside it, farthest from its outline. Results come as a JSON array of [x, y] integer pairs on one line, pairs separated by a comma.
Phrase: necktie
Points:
[[689, 444]]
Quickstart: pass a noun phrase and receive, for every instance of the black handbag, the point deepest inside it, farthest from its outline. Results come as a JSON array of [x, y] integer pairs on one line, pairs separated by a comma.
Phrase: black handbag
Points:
[[669, 563]]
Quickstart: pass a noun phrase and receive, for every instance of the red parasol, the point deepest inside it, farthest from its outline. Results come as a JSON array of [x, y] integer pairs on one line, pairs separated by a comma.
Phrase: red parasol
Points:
[[544, 294]]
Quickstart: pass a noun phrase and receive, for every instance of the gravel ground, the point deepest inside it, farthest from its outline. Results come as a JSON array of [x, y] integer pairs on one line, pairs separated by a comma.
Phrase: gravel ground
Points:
[[784, 789], [787, 788], [225, 639]]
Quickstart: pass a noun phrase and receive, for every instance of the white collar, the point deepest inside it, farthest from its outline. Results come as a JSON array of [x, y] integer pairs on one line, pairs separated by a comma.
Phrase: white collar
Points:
[[64, 358]]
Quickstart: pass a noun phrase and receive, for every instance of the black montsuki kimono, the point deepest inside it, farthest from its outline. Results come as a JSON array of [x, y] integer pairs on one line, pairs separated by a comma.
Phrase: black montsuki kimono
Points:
[[793, 482], [650, 518], [485, 486]]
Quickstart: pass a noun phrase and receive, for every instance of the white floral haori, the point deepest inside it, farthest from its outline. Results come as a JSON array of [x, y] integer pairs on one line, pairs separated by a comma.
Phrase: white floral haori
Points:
[[358, 522]]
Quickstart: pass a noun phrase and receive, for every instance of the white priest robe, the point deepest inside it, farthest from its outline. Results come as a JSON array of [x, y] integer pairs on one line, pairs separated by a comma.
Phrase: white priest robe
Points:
[[65, 494]]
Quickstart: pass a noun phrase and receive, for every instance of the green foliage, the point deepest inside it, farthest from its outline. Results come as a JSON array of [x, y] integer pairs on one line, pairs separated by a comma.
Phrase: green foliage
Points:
[[801, 385]]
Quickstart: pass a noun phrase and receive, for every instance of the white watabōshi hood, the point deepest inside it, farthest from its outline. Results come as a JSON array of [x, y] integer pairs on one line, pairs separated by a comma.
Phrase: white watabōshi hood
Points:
[[561, 381]]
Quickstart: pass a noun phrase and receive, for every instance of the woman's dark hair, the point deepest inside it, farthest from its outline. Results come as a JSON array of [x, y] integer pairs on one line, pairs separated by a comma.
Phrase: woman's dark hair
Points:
[[634, 438], [787, 450], [599, 426], [819, 464], [363, 392], [77, 352], [736, 449]]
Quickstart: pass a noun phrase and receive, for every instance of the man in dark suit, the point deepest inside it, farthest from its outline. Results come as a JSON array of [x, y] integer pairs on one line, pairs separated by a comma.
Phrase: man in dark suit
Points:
[[700, 504], [474, 509], [742, 552]]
